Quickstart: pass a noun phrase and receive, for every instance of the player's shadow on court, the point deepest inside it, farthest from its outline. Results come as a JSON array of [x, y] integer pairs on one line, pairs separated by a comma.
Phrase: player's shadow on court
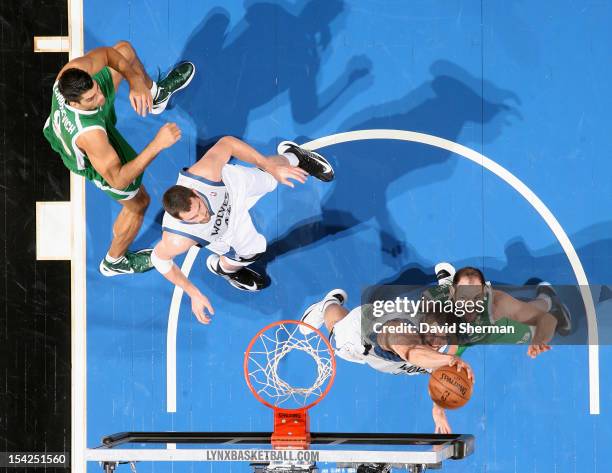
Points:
[[275, 49], [452, 105]]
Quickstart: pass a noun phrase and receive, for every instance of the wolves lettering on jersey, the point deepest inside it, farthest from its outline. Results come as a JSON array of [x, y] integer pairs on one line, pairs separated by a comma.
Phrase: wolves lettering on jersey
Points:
[[411, 369], [388, 362], [219, 202], [221, 217]]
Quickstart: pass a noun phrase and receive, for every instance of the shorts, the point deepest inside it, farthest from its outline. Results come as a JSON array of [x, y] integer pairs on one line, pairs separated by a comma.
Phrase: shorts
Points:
[[347, 337], [246, 240], [126, 154], [120, 194], [123, 149]]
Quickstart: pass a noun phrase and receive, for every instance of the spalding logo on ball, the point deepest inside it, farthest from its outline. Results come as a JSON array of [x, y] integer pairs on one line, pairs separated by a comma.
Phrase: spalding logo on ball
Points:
[[450, 388]]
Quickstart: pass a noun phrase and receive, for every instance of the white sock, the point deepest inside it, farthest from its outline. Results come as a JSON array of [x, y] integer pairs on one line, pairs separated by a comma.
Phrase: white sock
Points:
[[547, 299], [110, 259], [292, 158], [154, 89], [224, 268]]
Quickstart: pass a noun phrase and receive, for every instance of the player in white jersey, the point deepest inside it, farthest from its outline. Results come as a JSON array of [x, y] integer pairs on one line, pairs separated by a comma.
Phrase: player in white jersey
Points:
[[209, 206], [388, 352]]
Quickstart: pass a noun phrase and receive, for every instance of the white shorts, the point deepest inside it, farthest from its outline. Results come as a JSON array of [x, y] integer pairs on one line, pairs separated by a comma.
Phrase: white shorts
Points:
[[246, 240], [347, 337], [258, 184]]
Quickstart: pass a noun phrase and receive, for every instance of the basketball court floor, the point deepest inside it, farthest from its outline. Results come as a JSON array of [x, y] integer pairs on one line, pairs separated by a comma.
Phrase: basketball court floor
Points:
[[507, 168]]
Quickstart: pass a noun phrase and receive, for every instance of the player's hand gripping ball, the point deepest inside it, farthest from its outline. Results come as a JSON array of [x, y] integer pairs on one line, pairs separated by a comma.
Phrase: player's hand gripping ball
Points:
[[449, 388]]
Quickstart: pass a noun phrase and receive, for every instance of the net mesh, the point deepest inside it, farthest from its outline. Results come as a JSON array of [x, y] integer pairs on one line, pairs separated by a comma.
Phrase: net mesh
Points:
[[268, 351]]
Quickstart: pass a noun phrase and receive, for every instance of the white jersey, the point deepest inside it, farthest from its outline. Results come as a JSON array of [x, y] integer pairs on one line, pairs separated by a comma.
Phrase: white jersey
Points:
[[389, 362], [217, 198], [230, 226], [351, 346]]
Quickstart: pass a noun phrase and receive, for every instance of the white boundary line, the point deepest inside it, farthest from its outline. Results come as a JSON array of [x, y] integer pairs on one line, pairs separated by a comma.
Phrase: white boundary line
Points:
[[78, 279], [175, 307], [499, 171]]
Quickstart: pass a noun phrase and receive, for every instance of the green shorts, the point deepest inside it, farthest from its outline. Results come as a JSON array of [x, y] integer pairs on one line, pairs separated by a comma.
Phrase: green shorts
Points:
[[120, 194], [123, 149], [126, 154]]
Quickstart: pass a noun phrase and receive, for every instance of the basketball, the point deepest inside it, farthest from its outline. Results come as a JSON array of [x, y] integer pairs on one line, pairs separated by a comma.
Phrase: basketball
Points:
[[450, 388]]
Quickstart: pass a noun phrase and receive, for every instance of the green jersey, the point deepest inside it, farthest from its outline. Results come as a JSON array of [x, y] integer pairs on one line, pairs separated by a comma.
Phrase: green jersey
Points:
[[511, 332], [65, 124]]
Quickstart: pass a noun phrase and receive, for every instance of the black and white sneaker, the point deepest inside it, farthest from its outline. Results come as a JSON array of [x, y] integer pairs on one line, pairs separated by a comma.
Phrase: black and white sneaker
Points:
[[244, 279], [558, 309], [445, 272], [311, 162], [315, 314], [177, 79]]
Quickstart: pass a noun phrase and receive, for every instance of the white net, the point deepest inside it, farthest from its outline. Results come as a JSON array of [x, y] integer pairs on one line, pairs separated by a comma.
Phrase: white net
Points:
[[269, 352]]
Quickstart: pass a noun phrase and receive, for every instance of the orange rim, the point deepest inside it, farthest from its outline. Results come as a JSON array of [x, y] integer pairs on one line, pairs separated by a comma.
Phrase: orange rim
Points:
[[293, 322]]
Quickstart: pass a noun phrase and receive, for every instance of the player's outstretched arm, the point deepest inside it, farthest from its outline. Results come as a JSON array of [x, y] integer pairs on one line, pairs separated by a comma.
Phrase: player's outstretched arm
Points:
[[440, 420], [211, 164], [544, 323], [428, 358], [170, 246], [96, 59], [104, 158]]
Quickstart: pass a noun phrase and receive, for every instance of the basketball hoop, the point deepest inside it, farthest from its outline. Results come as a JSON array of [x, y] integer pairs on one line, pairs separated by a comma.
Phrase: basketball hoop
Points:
[[265, 359]]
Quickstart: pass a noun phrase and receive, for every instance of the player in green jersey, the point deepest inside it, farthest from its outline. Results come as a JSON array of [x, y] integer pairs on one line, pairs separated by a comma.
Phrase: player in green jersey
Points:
[[81, 129], [534, 322]]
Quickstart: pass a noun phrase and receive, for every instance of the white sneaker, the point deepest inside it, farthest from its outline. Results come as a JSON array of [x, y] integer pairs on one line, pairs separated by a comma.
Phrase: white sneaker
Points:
[[445, 272], [315, 314]]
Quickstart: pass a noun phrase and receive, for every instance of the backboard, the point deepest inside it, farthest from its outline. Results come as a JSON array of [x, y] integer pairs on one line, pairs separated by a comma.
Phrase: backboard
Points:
[[364, 452]]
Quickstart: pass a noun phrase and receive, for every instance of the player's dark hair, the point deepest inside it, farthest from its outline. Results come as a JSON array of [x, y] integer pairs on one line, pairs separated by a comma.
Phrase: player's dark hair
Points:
[[470, 273], [73, 83], [177, 200]]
